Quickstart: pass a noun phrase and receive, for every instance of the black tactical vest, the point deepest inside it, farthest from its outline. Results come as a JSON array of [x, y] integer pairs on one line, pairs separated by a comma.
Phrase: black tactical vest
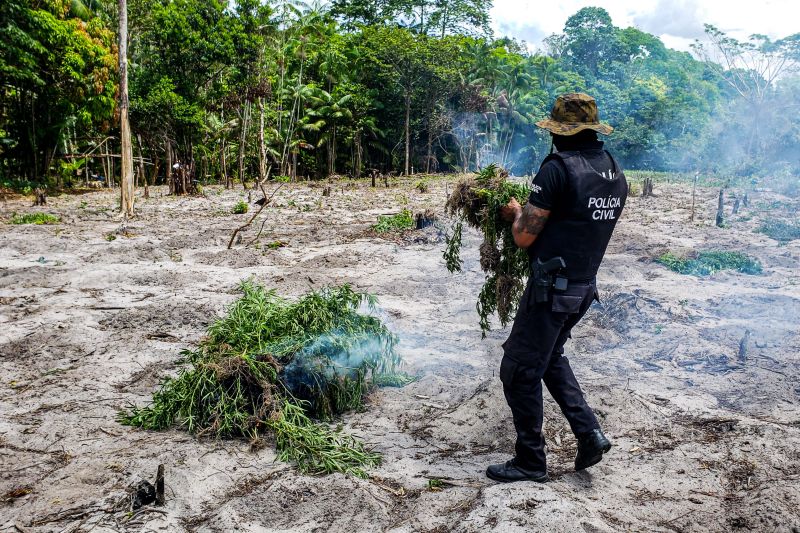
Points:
[[582, 220]]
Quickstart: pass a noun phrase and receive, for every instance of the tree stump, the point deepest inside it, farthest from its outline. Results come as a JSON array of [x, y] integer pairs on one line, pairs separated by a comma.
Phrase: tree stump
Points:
[[647, 187], [160, 498], [735, 206], [744, 346], [40, 197], [746, 200], [326, 191], [423, 220], [721, 209]]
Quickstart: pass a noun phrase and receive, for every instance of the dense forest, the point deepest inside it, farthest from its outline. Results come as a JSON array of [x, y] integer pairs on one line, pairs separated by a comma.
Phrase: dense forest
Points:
[[232, 91]]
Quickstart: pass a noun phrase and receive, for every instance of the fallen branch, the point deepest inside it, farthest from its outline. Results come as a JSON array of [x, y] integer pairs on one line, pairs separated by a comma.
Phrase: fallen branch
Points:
[[264, 202]]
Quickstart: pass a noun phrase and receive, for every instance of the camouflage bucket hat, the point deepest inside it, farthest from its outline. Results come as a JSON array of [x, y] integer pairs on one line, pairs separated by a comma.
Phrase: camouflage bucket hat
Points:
[[573, 113]]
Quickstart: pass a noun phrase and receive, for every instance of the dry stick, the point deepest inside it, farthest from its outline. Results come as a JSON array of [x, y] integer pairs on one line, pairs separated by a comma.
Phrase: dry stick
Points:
[[264, 222], [694, 188], [255, 215]]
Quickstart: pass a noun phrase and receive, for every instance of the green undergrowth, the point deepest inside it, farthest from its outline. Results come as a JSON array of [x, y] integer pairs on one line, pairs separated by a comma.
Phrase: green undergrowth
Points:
[[240, 208], [780, 230], [708, 263], [281, 368], [477, 201], [394, 223], [704, 179], [34, 218]]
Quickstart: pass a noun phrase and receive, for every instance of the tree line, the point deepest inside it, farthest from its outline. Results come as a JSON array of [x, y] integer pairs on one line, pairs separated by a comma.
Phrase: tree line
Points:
[[235, 91]]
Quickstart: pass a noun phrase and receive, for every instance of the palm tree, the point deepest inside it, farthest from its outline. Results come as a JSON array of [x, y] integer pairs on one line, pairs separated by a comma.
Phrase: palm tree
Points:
[[331, 111]]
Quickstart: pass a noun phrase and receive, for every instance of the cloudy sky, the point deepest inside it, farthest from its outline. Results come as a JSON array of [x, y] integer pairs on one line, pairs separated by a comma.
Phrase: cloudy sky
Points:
[[677, 22]]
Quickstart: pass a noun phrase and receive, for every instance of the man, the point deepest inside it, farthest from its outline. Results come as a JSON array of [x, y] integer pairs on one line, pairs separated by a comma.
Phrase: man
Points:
[[576, 199]]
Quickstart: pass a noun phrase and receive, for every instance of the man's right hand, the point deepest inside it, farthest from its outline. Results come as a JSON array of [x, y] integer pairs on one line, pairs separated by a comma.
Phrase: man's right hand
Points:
[[511, 211]]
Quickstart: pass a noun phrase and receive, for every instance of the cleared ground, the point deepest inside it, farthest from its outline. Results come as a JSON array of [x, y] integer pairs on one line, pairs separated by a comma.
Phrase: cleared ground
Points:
[[93, 316]]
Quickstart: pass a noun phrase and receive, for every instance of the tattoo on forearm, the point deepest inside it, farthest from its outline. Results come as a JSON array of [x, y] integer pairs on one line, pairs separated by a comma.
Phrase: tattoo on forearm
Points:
[[533, 219]]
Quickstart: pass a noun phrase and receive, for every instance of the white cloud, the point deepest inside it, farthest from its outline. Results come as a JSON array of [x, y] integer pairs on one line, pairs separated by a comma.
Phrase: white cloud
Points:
[[677, 22], [677, 18]]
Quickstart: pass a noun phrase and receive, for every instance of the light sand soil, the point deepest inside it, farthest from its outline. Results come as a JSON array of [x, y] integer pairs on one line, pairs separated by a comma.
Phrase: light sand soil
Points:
[[704, 440]]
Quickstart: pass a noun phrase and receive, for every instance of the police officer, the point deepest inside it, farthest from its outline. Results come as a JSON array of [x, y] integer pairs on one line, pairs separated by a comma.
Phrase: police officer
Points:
[[576, 199]]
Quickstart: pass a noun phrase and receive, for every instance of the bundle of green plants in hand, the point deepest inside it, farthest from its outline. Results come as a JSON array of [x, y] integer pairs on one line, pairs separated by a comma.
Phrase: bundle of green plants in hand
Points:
[[477, 201], [274, 367]]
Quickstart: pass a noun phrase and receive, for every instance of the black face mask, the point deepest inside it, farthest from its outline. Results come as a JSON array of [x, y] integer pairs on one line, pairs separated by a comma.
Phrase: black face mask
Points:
[[580, 140]]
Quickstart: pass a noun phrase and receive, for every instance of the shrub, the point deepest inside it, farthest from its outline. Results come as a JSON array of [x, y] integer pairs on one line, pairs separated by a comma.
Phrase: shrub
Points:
[[394, 223], [707, 263], [34, 218], [240, 208], [780, 230]]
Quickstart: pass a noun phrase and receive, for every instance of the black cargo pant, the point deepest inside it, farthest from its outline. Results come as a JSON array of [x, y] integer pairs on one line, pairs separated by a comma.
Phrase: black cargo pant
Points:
[[534, 352]]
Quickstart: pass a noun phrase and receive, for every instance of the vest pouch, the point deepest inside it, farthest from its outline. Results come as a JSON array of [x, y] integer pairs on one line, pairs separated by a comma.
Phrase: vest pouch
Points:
[[567, 303]]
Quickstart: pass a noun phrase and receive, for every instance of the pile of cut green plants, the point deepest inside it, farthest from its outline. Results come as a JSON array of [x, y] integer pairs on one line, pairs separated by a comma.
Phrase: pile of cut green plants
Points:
[[710, 262], [281, 370], [402, 221], [476, 201], [781, 230]]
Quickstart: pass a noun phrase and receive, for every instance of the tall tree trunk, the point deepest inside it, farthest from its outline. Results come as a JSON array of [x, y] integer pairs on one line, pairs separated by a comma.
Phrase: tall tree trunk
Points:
[[169, 171], [156, 167], [429, 156], [408, 132], [223, 158], [224, 164], [126, 173], [106, 167], [331, 156], [244, 116], [357, 170], [262, 146], [141, 166]]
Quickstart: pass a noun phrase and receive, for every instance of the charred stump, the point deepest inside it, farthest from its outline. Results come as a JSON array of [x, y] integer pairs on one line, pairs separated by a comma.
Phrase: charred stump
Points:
[[40, 197], [721, 209], [647, 187], [744, 346], [425, 219], [160, 498]]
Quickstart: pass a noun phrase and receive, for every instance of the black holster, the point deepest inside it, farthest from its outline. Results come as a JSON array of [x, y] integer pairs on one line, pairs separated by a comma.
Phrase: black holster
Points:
[[545, 278]]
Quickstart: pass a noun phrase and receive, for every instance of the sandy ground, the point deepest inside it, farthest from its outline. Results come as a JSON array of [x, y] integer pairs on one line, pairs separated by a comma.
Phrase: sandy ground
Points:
[[704, 440]]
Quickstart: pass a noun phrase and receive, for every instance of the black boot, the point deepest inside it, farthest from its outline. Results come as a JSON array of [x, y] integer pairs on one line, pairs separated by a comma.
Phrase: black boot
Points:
[[591, 447], [509, 471]]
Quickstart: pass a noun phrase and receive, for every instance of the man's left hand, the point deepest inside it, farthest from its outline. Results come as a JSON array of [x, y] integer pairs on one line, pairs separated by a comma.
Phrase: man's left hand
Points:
[[511, 211]]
